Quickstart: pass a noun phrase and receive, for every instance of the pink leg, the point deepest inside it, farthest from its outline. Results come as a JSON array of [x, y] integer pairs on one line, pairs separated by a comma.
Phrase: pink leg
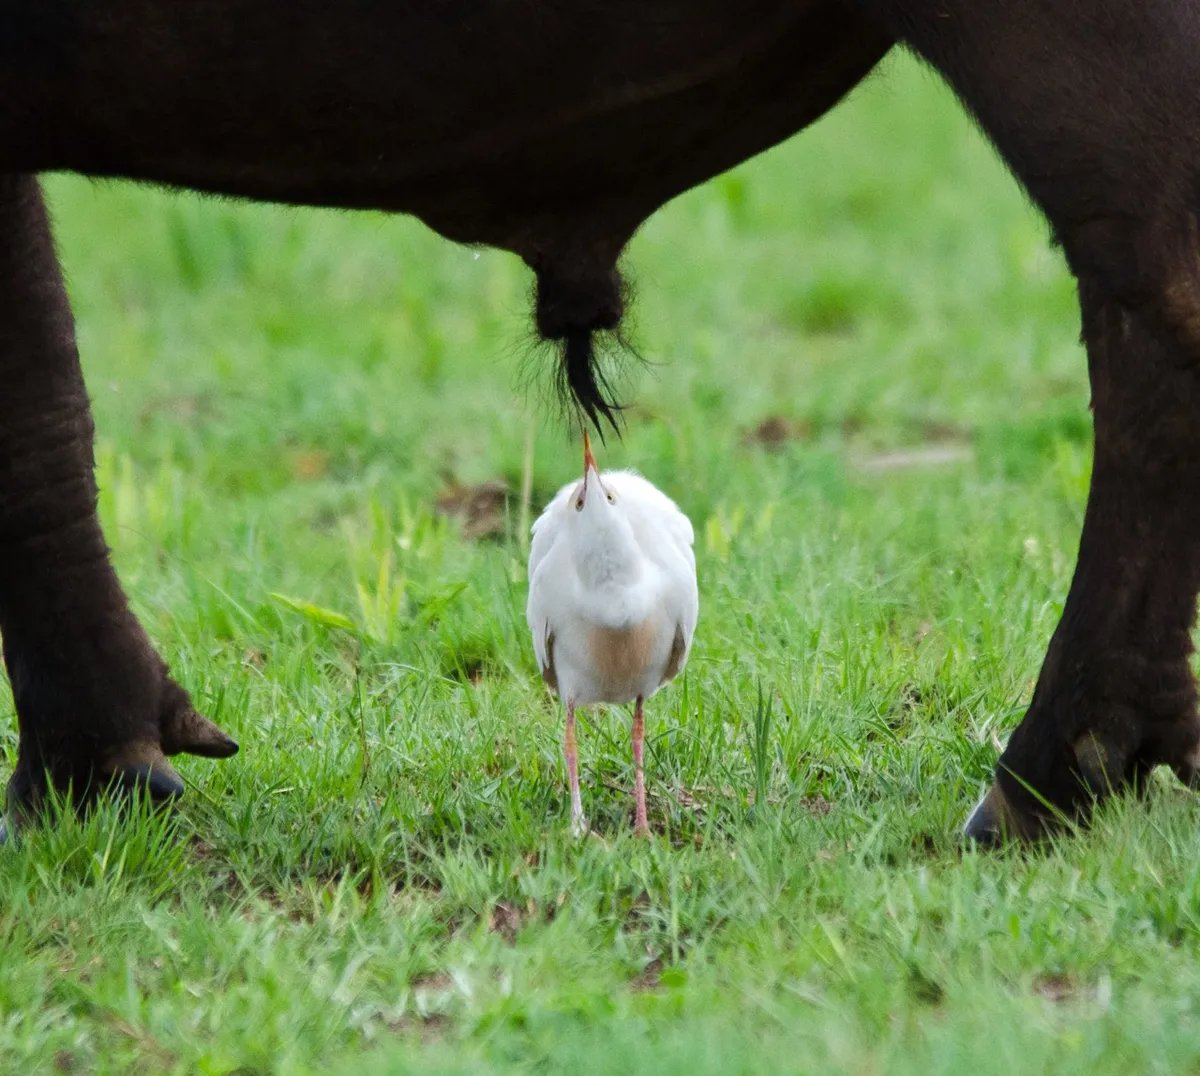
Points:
[[640, 826], [578, 822]]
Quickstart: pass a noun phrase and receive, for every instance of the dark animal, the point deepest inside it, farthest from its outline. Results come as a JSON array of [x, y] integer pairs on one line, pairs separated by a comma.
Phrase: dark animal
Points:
[[554, 130]]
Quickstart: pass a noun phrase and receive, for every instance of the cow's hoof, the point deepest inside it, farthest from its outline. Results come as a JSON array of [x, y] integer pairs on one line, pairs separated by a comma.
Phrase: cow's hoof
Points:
[[183, 730], [1186, 761], [1063, 793], [146, 773], [1088, 771], [157, 779], [985, 825], [123, 756], [996, 821]]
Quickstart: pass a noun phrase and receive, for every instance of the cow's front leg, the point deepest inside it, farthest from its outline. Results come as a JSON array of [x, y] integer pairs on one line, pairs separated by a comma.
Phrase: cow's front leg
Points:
[[1095, 111], [95, 705]]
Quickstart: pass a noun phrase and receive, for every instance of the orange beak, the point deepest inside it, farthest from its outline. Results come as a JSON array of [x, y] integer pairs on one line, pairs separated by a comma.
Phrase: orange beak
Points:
[[589, 461]]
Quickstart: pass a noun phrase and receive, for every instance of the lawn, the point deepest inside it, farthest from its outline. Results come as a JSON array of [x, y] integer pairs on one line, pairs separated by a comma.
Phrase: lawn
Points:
[[865, 388]]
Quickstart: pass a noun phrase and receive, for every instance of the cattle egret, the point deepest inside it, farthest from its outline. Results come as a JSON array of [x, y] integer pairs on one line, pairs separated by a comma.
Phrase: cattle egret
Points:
[[612, 603]]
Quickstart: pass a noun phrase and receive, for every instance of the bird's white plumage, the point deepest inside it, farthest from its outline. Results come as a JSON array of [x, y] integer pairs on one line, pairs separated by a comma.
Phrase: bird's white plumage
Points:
[[613, 600]]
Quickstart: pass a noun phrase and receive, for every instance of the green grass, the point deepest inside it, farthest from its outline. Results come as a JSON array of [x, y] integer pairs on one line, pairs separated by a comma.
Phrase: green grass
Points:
[[383, 880]]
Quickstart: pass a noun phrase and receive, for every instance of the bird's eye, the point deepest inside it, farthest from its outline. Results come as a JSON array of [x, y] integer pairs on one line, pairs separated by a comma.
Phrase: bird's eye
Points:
[[611, 499], [579, 504]]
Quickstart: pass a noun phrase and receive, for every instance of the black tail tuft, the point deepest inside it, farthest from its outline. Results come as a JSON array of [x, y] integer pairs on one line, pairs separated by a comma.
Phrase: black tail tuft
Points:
[[582, 381], [580, 312]]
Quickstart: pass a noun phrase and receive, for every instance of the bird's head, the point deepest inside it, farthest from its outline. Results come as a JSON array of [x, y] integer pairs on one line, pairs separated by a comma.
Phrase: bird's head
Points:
[[600, 531], [592, 495]]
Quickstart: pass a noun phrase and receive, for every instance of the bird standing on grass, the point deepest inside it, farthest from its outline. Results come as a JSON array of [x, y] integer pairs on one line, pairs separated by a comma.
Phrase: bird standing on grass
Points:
[[612, 602]]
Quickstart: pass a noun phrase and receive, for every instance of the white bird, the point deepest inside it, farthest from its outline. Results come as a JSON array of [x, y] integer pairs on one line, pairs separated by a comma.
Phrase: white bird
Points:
[[613, 602]]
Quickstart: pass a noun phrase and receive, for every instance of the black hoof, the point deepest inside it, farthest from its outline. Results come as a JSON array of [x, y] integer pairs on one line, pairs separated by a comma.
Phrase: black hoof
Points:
[[184, 730], [158, 779], [984, 826], [152, 776], [997, 821]]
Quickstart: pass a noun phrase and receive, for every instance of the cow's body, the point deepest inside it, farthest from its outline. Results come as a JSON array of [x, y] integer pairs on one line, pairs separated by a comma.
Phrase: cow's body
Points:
[[554, 131], [519, 124]]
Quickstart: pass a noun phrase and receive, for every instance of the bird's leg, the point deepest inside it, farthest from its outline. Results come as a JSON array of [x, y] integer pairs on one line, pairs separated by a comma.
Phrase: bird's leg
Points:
[[640, 826], [578, 822]]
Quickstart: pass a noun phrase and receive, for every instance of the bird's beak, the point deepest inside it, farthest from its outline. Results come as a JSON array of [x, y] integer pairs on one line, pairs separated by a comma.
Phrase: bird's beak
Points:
[[589, 461]]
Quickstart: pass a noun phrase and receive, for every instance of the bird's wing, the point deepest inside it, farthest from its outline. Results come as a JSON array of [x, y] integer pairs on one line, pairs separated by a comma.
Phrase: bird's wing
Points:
[[681, 600], [537, 613], [678, 560], [656, 519], [539, 609], [549, 672], [545, 530], [544, 612], [677, 656], [678, 527], [666, 537]]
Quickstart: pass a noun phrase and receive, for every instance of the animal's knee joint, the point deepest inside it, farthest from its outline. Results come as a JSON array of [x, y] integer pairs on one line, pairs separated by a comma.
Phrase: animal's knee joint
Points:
[[1148, 267]]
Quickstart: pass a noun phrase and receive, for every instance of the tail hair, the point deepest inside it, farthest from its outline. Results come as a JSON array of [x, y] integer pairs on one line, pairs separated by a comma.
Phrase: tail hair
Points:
[[577, 310]]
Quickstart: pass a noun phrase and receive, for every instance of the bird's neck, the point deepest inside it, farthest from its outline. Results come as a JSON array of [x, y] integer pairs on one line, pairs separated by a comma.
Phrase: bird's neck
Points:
[[607, 555]]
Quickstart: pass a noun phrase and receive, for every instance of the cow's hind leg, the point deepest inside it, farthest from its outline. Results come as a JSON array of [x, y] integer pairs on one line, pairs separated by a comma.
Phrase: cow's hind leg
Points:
[[94, 702], [1094, 106]]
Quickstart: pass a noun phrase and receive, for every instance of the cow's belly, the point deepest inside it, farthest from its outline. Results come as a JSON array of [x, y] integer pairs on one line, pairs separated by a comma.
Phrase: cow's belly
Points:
[[505, 124]]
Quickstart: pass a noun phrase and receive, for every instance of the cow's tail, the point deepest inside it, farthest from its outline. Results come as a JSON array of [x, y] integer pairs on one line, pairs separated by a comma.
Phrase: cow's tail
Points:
[[579, 308]]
